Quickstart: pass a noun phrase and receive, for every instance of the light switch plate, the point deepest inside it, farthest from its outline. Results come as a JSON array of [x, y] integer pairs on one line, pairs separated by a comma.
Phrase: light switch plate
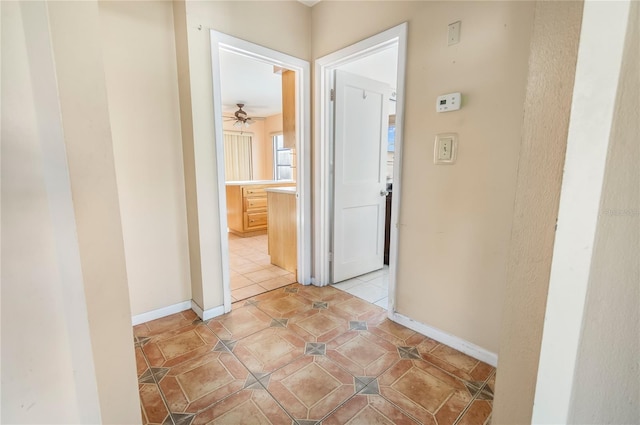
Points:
[[453, 33], [445, 148]]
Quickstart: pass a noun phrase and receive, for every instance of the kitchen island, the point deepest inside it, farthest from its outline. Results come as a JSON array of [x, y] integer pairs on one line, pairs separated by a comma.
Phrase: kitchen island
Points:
[[282, 233]]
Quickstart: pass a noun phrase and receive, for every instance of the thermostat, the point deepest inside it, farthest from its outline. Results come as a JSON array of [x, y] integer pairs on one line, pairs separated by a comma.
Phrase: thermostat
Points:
[[449, 102]]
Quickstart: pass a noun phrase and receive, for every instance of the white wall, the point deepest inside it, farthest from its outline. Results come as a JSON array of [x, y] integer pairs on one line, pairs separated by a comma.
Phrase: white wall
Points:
[[455, 221], [141, 73], [591, 318]]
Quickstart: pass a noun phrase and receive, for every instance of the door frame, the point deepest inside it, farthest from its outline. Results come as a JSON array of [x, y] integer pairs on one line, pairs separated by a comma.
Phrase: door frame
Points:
[[224, 42], [324, 144]]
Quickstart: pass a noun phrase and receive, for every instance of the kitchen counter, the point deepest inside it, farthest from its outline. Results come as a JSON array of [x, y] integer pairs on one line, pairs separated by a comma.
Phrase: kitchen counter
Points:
[[250, 182], [284, 189]]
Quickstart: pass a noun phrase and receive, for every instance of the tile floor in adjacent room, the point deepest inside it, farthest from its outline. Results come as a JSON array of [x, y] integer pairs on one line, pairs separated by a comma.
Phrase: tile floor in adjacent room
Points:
[[302, 355], [372, 287], [251, 271]]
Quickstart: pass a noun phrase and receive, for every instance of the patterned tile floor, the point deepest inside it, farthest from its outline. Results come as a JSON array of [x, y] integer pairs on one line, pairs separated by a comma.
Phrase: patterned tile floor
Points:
[[302, 355], [251, 270]]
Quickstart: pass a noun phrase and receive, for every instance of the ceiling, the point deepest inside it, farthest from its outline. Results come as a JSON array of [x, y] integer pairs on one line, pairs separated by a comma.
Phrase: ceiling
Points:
[[249, 81]]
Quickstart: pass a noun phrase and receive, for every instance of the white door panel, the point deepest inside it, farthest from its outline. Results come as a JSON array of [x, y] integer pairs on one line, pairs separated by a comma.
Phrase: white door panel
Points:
[[361, 126]]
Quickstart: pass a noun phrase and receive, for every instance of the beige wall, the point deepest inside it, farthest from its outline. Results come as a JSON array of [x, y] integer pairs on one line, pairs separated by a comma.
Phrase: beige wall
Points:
[[76, 42], [552, 64], [245, 20], [261, 144], [33, 296], [141, 73], [65, 295], [455, 221], [606, 385]]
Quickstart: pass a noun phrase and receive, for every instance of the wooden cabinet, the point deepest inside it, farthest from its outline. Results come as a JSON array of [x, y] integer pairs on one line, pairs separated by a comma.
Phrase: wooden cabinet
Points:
[[247, 207], [282, 228], [289, 108]]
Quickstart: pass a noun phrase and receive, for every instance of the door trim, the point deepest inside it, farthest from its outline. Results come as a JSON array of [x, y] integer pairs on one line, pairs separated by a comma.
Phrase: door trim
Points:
[[225, 42], [323, 149]]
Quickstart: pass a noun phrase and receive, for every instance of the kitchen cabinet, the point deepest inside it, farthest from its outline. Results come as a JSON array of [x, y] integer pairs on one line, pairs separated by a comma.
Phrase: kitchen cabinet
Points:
[[247, 206], [289, 109]]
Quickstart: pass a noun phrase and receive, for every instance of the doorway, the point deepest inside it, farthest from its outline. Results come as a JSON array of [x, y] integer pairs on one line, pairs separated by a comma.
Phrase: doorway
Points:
[[256, 141], [358, 59]]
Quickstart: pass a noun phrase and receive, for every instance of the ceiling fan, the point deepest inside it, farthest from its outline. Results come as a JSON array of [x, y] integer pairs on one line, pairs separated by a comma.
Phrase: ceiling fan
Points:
[[241, 118]]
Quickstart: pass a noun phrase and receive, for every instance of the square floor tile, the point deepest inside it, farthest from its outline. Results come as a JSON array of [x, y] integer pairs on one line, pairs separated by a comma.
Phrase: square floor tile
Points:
[[197, 385], [269, 349], [240, 323], [247, 407], [311, 387], [174, 347], [368, 410], [362, 353], [457, 363], [424, 391], [317, 325], [282, 304]]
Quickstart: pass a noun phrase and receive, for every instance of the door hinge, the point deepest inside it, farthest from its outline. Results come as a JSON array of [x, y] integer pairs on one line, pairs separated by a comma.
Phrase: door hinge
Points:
[[332, 95], [330, 256]]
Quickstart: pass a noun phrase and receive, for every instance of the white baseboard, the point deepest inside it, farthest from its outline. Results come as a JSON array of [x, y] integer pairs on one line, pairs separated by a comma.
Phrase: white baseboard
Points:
[[160, 312], [445, 338], [207, 314]]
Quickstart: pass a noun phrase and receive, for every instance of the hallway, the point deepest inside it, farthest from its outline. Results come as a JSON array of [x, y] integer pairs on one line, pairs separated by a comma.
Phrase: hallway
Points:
[[304, 355]]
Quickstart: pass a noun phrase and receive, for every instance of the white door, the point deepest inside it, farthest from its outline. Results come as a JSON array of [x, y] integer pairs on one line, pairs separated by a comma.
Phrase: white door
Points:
[[361, 127]]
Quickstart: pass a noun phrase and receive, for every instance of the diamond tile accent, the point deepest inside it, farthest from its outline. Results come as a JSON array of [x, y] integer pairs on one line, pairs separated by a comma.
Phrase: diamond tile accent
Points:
[[306, 422], [486, 393], [279, 323], [155, 372], [255, 380], [473, 386], [320, 305], [357, 325], [315, 349], [146, 378], [179, 419], [220, 347], [291, 290], [370, 387], [225, 346], [409, 353], [139, 341]]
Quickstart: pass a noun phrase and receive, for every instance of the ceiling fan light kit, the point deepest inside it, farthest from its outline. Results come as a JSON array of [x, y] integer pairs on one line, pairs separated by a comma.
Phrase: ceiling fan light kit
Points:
[[242, 119]]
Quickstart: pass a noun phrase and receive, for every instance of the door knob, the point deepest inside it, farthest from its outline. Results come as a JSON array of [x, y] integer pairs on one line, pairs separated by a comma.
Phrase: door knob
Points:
[[384, 193]]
